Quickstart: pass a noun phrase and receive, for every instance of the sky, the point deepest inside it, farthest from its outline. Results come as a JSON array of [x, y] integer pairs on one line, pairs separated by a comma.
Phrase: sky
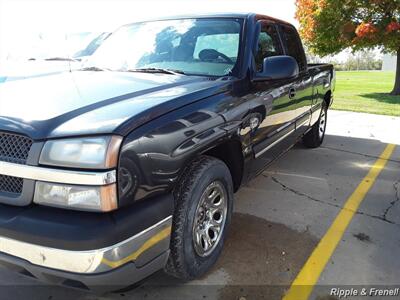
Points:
[[22, 20], [108, 14]]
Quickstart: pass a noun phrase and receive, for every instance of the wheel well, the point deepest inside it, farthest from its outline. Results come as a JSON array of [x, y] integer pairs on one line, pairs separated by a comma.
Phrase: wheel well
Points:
[[230, 152], [328, 98], [261, 110]]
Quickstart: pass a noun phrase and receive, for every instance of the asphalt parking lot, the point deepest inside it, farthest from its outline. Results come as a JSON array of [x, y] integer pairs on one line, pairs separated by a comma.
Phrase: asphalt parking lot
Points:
[[281, 216]]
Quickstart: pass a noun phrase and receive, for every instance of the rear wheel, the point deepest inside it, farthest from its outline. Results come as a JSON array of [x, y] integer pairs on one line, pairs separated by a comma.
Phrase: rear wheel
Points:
[[316, 135], [203, 209]]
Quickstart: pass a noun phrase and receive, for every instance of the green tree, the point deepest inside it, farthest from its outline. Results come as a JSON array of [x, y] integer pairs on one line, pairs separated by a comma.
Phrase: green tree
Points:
[[330, 26]]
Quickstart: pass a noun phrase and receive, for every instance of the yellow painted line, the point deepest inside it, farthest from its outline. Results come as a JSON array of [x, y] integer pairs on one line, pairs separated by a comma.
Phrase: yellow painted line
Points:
[[305, 281], [146, 245]]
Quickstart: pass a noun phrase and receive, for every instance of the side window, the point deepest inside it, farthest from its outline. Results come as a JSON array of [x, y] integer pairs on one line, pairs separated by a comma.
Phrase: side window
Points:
[[294, 47], [268, 45]]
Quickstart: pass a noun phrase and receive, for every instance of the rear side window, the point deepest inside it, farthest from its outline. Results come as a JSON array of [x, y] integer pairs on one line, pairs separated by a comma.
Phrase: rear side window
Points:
[[268, 45], [294, 47]]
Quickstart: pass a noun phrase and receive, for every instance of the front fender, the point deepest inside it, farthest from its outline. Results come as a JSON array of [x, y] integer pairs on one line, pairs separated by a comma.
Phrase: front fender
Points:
[[153, 156]]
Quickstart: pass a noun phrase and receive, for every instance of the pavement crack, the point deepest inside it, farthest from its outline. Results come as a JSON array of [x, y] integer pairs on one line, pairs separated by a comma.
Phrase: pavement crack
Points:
[[358, 153], [287, 188], [381, 218], [393, 203]]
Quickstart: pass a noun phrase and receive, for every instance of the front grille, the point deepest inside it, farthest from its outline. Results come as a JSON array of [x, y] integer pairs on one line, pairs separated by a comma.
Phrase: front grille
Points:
[[11, 184], [14, 149]]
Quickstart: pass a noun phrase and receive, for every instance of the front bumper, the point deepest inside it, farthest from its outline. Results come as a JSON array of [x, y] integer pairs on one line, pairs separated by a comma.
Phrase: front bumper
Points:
[[113, 280], [100, 250], [140, 248]]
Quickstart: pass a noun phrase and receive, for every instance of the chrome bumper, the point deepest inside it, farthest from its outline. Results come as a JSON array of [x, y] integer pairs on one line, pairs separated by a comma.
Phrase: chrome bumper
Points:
[[140, 248]]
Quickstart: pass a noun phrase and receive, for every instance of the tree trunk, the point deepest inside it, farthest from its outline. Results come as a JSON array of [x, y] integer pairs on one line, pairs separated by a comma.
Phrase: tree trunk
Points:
[[396, 89]]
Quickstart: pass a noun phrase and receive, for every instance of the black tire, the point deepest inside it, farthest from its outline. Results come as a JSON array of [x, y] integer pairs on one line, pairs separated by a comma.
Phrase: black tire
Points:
[[184, 262], [314, 138]]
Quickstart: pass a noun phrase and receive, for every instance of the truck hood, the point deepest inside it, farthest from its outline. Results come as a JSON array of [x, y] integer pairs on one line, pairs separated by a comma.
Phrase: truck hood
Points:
[[83, 102], [10, 71]]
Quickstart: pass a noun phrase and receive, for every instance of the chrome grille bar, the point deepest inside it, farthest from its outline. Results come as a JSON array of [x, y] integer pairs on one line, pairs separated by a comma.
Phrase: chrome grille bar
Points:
[[57, 175]]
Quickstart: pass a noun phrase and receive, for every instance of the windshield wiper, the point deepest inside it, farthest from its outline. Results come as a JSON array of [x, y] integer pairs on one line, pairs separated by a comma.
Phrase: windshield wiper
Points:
[[95, 69], [157, 70], [60, 59]]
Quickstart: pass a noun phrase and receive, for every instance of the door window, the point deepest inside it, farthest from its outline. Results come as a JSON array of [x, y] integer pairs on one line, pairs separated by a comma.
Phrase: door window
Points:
[[268, 45]]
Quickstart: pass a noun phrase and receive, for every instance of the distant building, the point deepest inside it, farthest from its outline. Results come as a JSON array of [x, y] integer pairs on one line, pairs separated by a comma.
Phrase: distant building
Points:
[[389, 63]]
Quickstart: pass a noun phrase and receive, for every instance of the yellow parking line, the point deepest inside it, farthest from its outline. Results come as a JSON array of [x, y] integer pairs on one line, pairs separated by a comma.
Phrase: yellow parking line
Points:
[[147, 245], [303, 285]]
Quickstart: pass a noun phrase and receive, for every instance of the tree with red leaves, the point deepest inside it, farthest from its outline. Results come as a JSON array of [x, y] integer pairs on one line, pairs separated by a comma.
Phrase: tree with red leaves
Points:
[[330, 26]]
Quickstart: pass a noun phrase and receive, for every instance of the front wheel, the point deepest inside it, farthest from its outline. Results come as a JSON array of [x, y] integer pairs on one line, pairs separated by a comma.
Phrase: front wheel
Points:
[[316, 135], [203, 209]]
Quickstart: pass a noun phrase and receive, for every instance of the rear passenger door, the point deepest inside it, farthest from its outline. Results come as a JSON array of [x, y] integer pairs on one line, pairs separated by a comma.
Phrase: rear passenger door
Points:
[[302, 89]]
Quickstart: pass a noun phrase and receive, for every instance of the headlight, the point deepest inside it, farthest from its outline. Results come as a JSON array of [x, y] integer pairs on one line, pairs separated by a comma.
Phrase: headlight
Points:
[[90, 198], [89, 152]]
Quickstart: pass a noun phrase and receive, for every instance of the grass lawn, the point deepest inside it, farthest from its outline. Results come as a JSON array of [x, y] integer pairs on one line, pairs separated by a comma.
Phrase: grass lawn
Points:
[[365, 91]]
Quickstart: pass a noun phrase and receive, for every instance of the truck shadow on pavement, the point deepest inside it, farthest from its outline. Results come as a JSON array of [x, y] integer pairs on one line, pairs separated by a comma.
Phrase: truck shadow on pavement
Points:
[[260, 259]]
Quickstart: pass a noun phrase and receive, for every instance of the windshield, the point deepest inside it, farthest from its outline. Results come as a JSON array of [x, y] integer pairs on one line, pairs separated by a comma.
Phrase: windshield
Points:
[[44, 46], [190, 46]]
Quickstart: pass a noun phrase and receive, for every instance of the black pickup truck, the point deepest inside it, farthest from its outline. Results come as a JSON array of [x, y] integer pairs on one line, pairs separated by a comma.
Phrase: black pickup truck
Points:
[[129, 165]]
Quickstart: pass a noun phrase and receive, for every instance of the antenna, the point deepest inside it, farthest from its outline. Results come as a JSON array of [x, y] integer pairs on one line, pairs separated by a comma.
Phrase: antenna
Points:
[[69, 56]]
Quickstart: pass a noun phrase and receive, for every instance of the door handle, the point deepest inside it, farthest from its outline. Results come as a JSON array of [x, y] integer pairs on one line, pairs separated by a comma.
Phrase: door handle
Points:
[[292, 93]]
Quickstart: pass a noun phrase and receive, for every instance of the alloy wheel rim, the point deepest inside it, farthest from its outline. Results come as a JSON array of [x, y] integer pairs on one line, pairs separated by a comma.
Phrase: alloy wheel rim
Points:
[[322, 125], [210, 218]]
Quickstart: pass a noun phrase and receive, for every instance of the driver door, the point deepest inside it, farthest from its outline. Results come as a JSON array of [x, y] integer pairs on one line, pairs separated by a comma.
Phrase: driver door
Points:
[[275, 132]]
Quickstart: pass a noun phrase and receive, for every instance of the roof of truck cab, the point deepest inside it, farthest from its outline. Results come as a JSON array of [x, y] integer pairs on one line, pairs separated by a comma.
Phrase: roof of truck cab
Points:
[[241, 15]]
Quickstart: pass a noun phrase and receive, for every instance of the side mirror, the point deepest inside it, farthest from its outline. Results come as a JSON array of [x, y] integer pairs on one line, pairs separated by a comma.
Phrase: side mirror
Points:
[[278, 67]]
